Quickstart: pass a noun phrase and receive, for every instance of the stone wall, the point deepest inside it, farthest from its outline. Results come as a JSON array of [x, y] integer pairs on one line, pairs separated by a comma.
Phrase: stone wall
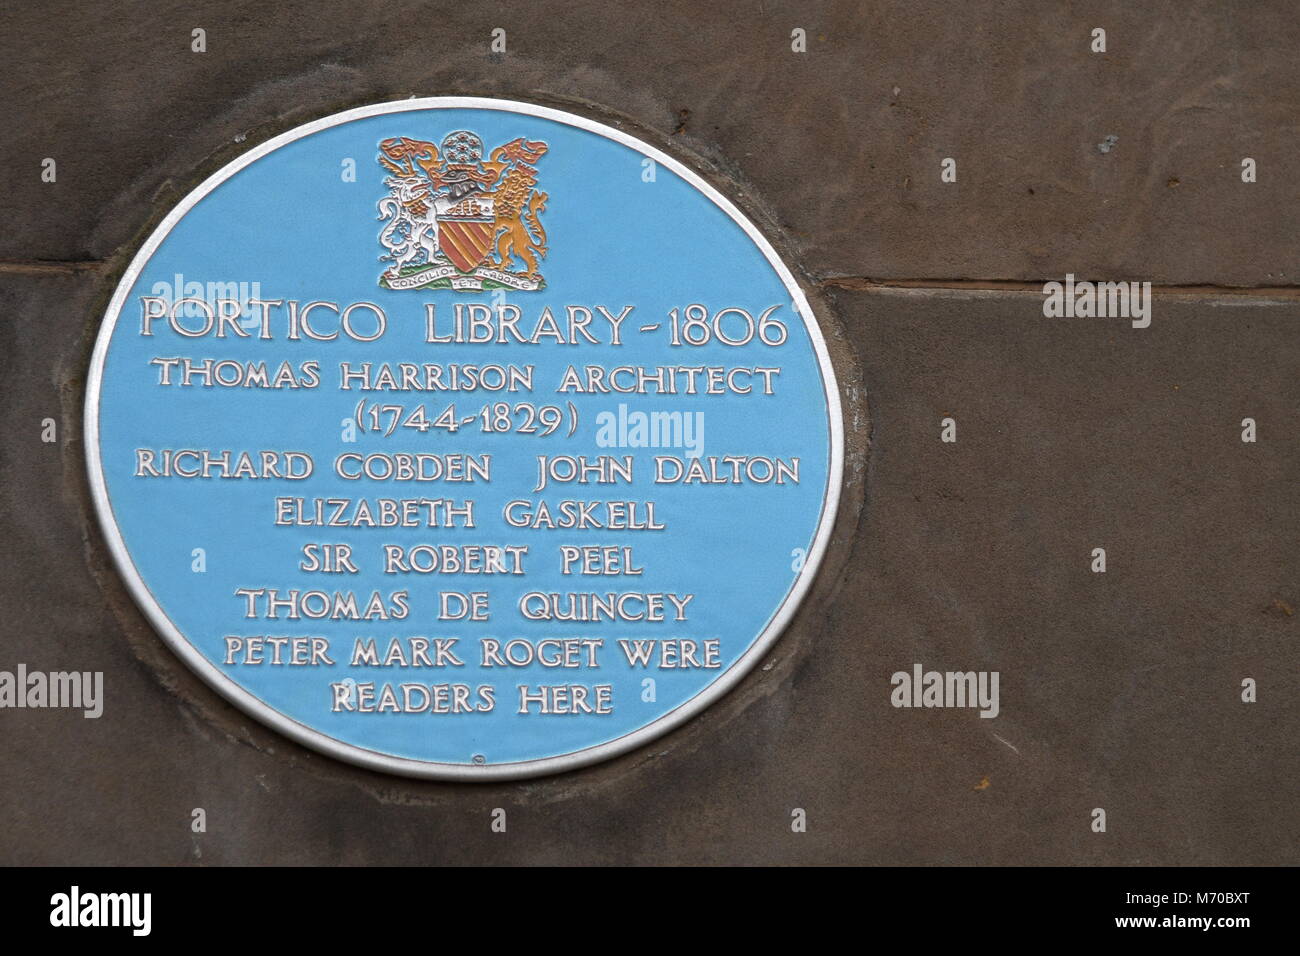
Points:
[[1119, 690]]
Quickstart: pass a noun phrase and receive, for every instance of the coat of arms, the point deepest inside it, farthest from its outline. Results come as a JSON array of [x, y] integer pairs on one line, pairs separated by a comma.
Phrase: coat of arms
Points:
[[458, 221]]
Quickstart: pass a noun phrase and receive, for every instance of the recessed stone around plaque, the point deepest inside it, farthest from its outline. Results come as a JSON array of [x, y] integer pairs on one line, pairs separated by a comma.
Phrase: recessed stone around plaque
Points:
[[463, 438]]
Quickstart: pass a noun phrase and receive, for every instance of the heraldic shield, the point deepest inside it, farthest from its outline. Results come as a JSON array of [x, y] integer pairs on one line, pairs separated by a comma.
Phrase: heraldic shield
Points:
[[465, 232]]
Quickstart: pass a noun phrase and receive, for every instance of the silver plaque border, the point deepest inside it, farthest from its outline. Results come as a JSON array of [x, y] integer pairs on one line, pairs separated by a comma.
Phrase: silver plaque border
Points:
[[388, 763]]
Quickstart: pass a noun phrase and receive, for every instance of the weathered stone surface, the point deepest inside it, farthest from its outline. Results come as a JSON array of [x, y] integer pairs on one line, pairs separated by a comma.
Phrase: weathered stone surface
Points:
[[1118, 690], [842, 144]]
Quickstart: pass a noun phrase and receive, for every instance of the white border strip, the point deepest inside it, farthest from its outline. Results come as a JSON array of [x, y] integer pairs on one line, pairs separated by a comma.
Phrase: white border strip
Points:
[[388, 763]]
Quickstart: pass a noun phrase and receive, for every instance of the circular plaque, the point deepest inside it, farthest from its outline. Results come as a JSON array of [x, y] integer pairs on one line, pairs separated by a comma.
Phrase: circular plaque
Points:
[[463, 438]]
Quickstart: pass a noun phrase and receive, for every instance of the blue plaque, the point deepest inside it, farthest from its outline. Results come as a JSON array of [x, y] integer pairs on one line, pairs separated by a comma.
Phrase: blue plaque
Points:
[[463, 438]]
